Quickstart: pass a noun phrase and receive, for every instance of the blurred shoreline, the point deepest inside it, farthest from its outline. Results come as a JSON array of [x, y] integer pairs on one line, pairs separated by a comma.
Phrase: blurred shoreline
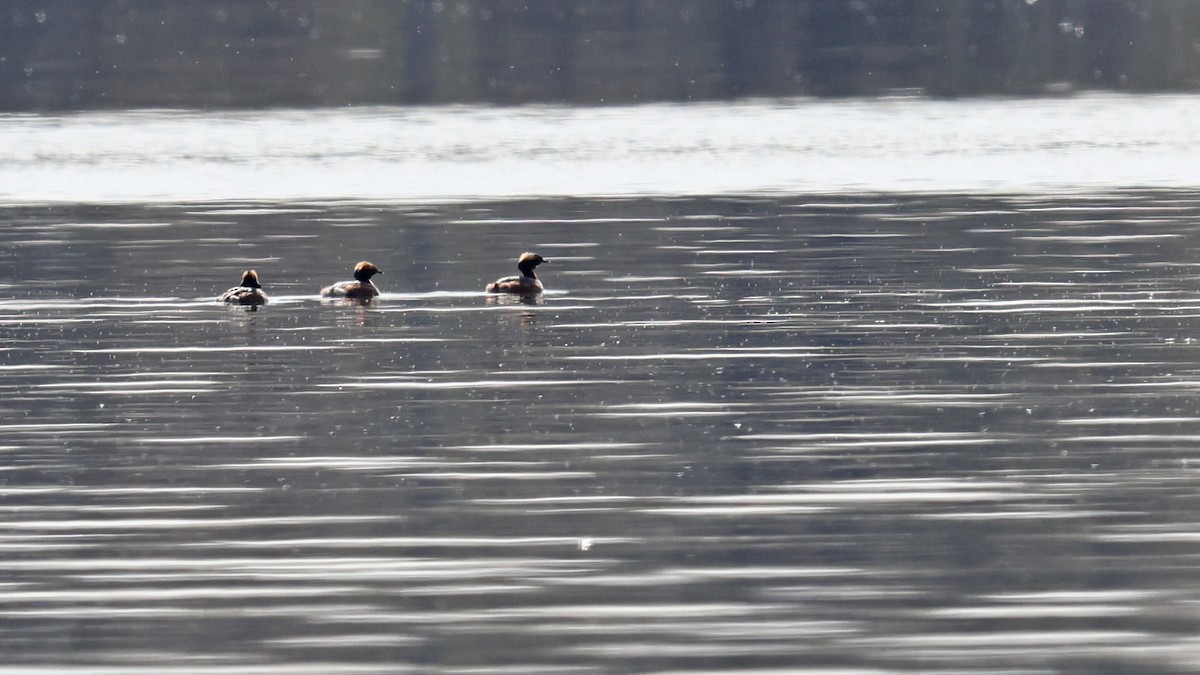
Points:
[[237, 54]]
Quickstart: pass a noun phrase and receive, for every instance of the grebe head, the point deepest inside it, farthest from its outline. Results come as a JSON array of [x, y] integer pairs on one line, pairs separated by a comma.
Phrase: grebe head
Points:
[[250, 279], [528, 261], [364, 270]]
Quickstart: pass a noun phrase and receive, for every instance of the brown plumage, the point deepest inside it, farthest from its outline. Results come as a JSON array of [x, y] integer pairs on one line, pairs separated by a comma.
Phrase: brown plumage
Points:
[[525, 284], [249, 292], [362, 288]]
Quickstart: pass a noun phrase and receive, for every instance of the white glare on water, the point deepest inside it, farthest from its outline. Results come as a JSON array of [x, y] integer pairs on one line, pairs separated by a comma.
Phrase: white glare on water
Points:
[[1088, 142]]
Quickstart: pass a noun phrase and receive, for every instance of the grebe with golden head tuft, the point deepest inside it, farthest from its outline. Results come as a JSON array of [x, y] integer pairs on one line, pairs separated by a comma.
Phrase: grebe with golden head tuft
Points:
[[525, 284], [362, 288], [249, 292]]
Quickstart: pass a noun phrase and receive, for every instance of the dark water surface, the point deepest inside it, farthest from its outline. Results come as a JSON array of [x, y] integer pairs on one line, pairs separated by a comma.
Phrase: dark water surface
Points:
[[878, 433], [249, 53]]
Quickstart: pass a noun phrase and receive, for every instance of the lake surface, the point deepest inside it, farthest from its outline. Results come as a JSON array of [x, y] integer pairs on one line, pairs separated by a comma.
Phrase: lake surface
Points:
[[1093, 142], [937, 430]]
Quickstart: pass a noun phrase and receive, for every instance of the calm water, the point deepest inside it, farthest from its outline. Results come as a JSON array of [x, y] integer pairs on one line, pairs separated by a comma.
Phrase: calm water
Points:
[[879, 432]]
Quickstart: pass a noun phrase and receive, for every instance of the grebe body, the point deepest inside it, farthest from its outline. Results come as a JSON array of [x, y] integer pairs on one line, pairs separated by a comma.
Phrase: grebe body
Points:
[[361, 288], [249, 292], [526, 283]]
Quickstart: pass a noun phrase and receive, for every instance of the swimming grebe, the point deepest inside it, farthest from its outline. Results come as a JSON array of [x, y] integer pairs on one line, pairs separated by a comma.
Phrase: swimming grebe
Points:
[[249, 292], [360, 289], [526, 284]]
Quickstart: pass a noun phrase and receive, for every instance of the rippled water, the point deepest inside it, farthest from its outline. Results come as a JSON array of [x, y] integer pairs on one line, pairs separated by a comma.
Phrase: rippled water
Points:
[[872, 433]]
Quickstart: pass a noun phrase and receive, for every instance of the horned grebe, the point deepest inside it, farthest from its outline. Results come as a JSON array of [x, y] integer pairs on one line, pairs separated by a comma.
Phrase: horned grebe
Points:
[[249, 292], [360, 289], [526, 284]]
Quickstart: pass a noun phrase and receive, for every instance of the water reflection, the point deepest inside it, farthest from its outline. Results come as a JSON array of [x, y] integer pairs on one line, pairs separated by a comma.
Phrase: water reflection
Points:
[[911, 433]]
